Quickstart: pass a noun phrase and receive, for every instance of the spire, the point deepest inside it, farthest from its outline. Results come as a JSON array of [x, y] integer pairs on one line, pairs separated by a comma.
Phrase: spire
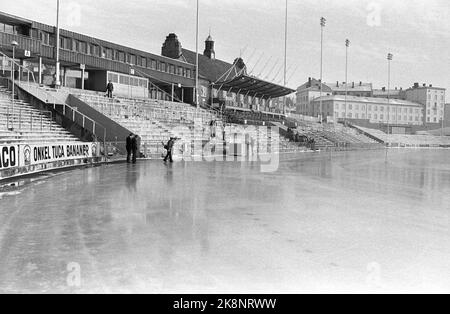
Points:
[[209, 47]]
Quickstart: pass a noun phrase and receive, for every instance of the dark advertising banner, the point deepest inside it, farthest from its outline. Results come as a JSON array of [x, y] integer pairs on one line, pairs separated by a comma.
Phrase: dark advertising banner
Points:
[[9, 156]]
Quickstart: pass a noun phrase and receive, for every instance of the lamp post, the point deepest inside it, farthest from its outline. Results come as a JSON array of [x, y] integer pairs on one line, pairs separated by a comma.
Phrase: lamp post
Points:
[[323, 22], [14, 44], [347, 45]]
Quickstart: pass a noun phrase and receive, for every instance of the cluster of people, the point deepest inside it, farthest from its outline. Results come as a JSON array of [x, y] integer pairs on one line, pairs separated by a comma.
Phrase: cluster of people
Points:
[[132, 148], [294, 136]]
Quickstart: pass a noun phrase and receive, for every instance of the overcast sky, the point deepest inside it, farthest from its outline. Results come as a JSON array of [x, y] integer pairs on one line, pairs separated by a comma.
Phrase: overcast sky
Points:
[[417, 32]]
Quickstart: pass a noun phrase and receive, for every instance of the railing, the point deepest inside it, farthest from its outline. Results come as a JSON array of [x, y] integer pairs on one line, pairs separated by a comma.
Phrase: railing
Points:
[[97, 129], [19, 119]]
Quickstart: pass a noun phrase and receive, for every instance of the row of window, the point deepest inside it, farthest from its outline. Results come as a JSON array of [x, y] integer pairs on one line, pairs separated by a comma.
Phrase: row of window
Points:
[[378, 117], [127, 80], [10, 29], [372, 108], [115, 55]]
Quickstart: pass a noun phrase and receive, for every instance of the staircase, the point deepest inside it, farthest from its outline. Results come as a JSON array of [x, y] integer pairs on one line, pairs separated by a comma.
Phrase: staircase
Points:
[[20, 122]]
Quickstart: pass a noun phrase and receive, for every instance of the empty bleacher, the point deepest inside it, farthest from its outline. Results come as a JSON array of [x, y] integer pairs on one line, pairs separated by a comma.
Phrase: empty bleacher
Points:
[[20, 122], [408, 140], [333, 136]]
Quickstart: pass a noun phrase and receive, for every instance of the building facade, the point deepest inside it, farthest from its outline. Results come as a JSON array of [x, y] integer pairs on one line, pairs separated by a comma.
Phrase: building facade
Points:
[[88, 62], [374, 110], [431, 98], [310, 91]]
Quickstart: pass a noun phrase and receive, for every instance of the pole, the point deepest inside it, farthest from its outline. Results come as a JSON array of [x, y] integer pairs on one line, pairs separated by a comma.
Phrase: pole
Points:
[[322, 25], [57, 79], [347, 44], [285, 54], [196, 57], [13, 70], [389, 58]]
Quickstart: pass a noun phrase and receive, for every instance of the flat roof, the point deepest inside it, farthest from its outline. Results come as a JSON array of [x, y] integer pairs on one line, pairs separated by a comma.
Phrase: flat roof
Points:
[[14, 20]]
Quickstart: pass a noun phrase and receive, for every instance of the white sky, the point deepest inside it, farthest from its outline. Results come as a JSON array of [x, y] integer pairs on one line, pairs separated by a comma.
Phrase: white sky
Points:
[[417, 32]]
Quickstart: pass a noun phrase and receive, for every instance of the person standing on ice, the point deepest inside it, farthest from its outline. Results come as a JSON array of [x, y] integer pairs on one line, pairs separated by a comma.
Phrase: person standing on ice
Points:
[[134, 148], [128, 147]]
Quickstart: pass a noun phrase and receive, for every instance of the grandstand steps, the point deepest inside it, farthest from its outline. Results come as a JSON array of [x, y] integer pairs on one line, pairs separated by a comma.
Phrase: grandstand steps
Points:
[[22, 123]]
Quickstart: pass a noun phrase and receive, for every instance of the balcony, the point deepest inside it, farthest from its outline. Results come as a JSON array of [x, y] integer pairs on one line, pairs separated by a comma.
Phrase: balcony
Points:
[[25, 43]]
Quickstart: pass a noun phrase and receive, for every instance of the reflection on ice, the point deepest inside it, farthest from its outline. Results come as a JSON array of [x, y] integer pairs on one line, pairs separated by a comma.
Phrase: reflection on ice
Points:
[[343, 222]]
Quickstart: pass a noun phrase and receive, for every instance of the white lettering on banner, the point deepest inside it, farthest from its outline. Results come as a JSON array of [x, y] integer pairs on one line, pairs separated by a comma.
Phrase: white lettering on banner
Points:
[[45, 153], [8, 156]]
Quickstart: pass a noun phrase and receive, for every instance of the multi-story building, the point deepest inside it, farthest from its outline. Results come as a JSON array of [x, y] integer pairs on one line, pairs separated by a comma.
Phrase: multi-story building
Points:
[[431, 98], [373, 110], [311, 90], [391, 94]]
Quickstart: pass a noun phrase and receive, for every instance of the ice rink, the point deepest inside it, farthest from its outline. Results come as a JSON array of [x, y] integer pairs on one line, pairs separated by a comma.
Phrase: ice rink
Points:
[[341, 222]]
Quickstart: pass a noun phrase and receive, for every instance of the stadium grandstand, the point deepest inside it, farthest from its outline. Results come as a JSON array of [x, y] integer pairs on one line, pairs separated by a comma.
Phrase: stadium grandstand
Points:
[[154, 97]]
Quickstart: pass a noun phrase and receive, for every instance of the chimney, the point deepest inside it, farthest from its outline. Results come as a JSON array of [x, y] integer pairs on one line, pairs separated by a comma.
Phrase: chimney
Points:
[[416, 85], [353, 85], [396, 88], [360, 83], [424, 85], [431, 85], [172, 47], [383, 89], [309, 82]]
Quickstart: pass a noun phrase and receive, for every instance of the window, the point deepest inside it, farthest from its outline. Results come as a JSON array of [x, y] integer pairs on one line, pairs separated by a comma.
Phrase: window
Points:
[[109, 54], [124, 80], [75, 45], [121, 56], [163, 67], [144, 62], [132, 59], [188, 73], [82, 47], [113, 77], [172, 69], [153, 64]]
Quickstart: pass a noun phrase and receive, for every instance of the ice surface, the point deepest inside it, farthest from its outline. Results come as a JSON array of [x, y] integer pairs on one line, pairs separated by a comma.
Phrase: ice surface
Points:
[[348, 222]]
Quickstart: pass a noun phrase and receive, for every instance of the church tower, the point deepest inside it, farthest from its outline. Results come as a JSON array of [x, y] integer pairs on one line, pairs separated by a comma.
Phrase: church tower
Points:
[[209, 48]]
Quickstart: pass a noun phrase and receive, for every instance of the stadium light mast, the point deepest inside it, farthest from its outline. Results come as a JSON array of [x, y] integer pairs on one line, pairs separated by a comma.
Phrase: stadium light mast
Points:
[[347, 45], [285, 54], [323, 22], [196, 56], [390, 56], [57, 74]]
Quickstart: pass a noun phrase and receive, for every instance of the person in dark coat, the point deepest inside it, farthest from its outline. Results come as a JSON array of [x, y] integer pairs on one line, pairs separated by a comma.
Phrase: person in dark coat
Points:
[[134, 148], [128, 146], [169, 148], [110, 89]]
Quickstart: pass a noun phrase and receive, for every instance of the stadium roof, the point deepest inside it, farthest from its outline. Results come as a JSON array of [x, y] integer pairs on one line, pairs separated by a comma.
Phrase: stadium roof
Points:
[[252, 86]]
